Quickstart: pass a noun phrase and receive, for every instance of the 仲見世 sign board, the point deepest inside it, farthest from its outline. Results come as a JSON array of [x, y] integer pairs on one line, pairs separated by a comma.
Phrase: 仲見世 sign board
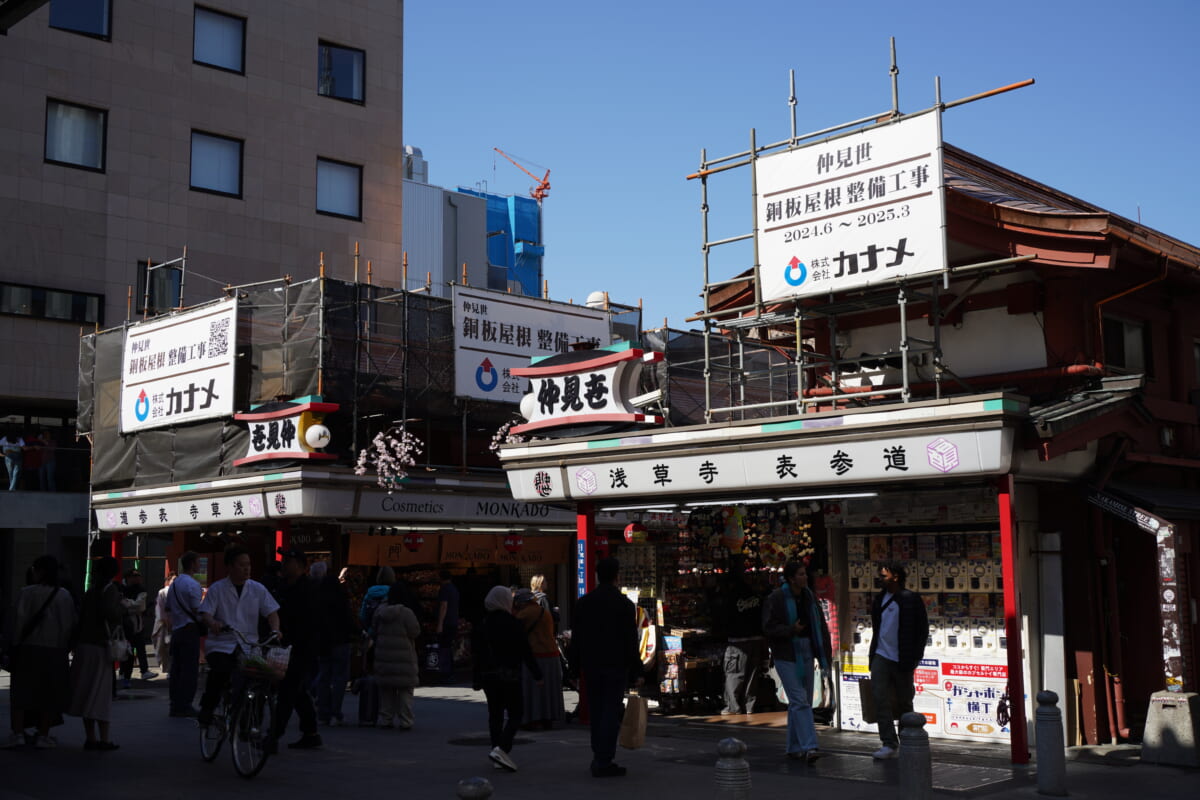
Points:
[[852, 211]]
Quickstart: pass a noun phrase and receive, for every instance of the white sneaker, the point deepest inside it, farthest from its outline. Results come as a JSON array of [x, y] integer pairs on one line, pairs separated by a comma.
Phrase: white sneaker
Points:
[[886, 751], [15, 740], [502, 758], [45, 743]]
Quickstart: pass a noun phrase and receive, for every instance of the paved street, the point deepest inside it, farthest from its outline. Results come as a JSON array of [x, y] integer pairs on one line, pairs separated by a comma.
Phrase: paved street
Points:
[[160, 755]]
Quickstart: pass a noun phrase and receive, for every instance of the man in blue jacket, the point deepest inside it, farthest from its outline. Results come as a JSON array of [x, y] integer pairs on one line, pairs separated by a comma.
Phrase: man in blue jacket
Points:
[[901, 629]]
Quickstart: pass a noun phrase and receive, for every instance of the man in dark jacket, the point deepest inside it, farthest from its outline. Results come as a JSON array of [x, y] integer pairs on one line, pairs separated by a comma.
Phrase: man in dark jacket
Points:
[[604, 642], [746, 649], [299, 619], [901, 629]]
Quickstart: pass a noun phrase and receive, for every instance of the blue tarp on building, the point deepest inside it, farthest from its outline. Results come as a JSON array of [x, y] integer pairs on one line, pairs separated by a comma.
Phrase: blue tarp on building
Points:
[[514, 240]]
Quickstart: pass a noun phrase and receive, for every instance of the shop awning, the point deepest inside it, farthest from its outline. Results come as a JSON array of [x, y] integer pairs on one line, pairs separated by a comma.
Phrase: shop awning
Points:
[[1165, 502]]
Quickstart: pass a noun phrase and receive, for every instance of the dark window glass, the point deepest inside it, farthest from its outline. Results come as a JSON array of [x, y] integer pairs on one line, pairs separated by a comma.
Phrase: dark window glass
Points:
[[164, 289], [340, 72], [54, 304], [91, 17]]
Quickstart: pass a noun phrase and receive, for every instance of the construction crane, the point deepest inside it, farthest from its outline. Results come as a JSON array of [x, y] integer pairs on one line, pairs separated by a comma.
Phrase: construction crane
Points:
[[542, 189]]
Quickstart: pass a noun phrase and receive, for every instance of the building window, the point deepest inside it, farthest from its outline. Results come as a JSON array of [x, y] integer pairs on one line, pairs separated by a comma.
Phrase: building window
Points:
[[340, 72], [1128, 347], [165, 284], [339, 188], [219, 40], [89, 17], [216, 164], [54, 304], [75, 135]]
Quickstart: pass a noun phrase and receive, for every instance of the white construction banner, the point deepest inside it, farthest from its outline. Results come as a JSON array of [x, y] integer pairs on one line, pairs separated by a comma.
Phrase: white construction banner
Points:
[[852, 211], [496, 332], [179, 369]]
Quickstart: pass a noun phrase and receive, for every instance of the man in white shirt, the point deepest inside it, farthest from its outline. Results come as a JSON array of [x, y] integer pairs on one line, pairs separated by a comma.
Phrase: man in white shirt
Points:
[[183, 612], [237, 602], [901, 628], [13, 447]]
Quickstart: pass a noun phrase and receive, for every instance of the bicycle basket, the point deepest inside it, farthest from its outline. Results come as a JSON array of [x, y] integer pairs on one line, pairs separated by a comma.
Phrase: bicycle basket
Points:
[[264, 661]]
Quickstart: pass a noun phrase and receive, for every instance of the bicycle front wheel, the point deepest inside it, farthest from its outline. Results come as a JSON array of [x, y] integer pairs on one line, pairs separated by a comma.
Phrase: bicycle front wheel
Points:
[[212, 736], [250, 730]]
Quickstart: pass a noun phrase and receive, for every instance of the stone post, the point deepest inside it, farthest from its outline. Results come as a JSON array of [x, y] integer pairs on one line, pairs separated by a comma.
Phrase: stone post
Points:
[[916, 767], [474, 789], [733, 772], [1051, 754]]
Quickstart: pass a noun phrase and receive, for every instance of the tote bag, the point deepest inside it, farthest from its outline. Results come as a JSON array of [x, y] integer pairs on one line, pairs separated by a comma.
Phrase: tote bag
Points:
[[633, 725]]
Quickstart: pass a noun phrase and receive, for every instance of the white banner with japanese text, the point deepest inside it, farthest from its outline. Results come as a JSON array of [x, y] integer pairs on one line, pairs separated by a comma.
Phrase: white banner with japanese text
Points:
[[179, 369], [777, 470], [496, 332], [852, 211]]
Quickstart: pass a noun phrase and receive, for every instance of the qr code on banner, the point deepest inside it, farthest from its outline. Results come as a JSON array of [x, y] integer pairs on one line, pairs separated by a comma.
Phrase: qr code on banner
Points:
[[218, 337]]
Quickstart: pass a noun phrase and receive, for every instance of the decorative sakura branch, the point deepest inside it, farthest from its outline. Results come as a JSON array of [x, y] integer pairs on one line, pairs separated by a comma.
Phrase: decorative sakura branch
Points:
[[503, 436], [391, 453]]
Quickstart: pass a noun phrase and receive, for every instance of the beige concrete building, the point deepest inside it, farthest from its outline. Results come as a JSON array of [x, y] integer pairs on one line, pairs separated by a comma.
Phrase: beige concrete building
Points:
[[255, 134]]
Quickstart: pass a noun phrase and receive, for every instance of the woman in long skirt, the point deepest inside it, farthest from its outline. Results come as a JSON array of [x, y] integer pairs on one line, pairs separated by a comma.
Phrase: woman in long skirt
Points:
[[542, 702], [92, 671]]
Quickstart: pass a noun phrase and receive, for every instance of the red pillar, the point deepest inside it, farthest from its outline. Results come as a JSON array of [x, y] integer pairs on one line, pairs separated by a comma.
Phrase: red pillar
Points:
[[1019, 736], [118, 541], [283, 537], [585, 555]]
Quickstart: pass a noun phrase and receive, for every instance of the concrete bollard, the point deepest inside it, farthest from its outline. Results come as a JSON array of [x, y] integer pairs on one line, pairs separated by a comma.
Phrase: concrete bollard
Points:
[[1051, 754], [474, 789], [916, 766], [733, 772]]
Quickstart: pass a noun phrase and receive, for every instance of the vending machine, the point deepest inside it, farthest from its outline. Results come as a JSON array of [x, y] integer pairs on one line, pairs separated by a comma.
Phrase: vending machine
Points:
[[929, 577]]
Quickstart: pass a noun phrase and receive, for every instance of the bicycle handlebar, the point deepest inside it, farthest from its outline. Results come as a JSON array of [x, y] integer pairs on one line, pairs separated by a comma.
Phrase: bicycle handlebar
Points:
[[272, 639]]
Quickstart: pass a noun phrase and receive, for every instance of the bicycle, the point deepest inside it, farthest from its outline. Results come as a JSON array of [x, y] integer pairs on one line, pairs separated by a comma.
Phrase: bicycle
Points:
[[247, 712]]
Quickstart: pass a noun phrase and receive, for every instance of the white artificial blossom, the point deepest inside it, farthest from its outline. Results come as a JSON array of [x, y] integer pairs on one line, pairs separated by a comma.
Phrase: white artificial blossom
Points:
[[503, 436], [391, 453]]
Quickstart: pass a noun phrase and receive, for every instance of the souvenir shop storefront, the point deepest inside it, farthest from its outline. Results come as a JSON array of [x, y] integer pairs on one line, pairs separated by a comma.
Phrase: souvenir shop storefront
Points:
[[930, 483], [468, 525]]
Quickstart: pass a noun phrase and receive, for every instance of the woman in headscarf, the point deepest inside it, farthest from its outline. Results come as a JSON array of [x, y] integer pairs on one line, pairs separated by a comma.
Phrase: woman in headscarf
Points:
[[500, 647], [796, 630], [91, 672]]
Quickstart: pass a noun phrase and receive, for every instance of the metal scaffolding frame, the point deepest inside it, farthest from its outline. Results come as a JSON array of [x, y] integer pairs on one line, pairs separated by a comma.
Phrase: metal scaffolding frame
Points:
[[802, 318]]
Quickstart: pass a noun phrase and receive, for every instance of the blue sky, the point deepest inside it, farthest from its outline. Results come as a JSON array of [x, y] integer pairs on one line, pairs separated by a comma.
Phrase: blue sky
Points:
[[618, 99]]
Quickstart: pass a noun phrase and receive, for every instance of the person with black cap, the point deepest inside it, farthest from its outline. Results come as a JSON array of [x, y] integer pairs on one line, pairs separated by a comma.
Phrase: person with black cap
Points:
[[299, 615]]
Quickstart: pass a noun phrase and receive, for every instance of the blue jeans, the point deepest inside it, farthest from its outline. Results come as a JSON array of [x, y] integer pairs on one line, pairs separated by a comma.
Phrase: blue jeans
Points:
[[333, 671], [13, 465], [801, 730]]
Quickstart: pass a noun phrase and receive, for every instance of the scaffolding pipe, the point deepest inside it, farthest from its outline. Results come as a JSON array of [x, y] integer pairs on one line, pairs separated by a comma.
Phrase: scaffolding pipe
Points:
[[894, 72], [902, 301], [321, 334]]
